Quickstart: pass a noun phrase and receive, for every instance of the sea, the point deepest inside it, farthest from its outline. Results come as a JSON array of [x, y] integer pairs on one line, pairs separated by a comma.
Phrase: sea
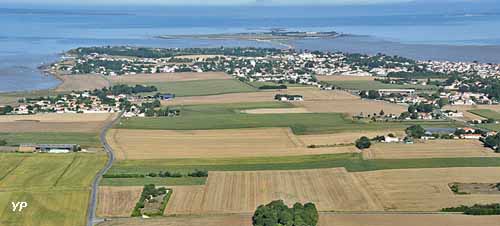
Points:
[[33, 35]]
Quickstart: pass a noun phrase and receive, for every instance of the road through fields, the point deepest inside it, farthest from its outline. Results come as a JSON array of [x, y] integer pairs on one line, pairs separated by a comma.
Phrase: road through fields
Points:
[[91, 218]]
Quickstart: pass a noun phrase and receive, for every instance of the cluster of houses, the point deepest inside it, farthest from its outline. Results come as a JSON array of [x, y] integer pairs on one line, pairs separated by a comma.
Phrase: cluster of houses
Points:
[[287, 97], [466, 133], [49, 148], [83, 102], [482, 69]]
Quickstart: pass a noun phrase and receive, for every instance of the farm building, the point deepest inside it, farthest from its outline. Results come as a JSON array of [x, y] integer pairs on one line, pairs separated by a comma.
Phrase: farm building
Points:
[[165, 96], [286, 97], [384, 92], [49, 148]]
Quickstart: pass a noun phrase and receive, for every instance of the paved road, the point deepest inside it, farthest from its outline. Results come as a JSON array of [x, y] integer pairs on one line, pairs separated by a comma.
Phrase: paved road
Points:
[[91, 219]]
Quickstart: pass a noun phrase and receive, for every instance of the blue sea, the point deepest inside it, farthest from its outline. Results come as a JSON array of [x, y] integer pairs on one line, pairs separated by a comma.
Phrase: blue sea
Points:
[[34, 35]]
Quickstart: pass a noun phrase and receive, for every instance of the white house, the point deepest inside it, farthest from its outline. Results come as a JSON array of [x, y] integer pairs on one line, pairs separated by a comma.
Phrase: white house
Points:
[[388, 139]]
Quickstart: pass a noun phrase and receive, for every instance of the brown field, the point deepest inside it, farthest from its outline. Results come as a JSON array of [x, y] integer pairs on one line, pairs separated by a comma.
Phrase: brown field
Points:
[[81, 82], [325, 219], [310, 94], [469, 116], [167, 77], [315, 101], [429, 149], [117, 201], [276, 111], [343, 138], [353, 106], [242, 192], [426, 189], [345, 78], [167, 144], [185, 200], [54, 122]]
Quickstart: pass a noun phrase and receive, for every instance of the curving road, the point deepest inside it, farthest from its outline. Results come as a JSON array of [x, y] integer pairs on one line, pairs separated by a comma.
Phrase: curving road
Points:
[[91, 219]]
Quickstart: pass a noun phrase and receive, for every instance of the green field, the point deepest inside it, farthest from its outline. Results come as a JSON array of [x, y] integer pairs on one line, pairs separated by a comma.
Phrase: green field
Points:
[[374, 85], [56, 187], [83, 139], [12, 97], [203, 87], [352, 162], [486, 113], [229, 116]]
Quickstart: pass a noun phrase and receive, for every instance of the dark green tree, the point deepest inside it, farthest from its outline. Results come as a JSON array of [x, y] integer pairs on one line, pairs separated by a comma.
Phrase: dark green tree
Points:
[[363, 143]]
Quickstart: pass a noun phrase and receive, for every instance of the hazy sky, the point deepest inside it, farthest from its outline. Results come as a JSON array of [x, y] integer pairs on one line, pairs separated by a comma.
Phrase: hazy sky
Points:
[[207, 2]]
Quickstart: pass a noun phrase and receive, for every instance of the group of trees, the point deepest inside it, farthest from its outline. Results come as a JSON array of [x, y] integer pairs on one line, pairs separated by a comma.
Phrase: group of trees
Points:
[[493, 142], [150, 192], [277, 213], [363, 143], [125, 89], [415, 131], [195, 173], [370, 94], [273, 87], [144, 52], [3, 142], [6, 110], [478, 209]]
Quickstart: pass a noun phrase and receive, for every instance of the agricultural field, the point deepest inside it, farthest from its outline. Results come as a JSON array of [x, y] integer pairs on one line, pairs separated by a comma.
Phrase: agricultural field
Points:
[[353, 107], [86, 140], [202, 87], [167, 77], [170, 144], [325, 219], [345, 137], [374, 85], [486, 113], [117, 201], [353, 162], [13, 97], [81, 82], [229, 116], [426, 189], [429, 149], [45, 207], [56, 187], [72, 123], [242, 192], [310, 94]]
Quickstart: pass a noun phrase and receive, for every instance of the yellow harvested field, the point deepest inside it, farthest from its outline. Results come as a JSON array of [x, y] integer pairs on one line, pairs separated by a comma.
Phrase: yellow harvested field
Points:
[[276, 111], [353, 106], [242, 192], [185, 200], [54, 122], [310, 94], [171, 144], [167, 77], [429, 149], [325, 219], [426, 189], [332, 219], [345, 78], [117, 201], [81, 82], [208, 220], [343, 138]]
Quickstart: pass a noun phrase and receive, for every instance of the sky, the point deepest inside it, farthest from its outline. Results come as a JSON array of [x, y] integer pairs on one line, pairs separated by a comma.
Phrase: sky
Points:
[[215, 2]]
